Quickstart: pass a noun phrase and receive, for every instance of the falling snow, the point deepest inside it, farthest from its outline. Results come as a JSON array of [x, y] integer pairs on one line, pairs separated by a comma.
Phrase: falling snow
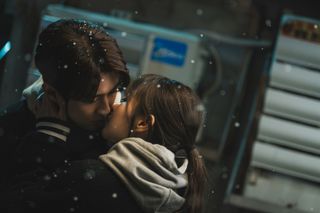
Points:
[[65, 66], [123, 34], [200, 107], [47, 178], [224, 176], [101, 60], [89, 175], [91, 137], [27, 57], [51, 139], [192, 61], [114, 195], [199, 12], [105, 24], [38, 159], [222, 92], [268, 23], [236, 124], [158, 85], [74, 43]]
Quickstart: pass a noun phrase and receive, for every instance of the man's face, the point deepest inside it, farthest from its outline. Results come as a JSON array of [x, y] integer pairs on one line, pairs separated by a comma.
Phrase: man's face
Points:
[[92, 115]]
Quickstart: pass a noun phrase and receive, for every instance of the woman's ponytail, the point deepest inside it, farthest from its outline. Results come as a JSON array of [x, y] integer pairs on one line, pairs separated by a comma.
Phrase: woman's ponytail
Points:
[[197, 178]]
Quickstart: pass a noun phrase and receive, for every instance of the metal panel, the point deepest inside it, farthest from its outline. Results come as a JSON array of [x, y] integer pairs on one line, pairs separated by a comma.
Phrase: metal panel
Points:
[[289, 134], [286, 161], [295, 107], [280, 193], [294, 78], [299, 52]]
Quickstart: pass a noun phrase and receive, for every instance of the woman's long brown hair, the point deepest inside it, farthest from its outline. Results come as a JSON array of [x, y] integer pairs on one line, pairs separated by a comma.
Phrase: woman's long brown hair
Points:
[[178, 115]]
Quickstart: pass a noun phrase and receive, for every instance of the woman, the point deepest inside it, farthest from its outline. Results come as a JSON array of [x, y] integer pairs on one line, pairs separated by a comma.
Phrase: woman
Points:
[[154, 167], [164, 117]]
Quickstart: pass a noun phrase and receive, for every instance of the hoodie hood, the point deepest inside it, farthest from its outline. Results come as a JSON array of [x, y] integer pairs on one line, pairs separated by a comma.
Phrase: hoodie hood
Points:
[[150, 173], [32, 92]]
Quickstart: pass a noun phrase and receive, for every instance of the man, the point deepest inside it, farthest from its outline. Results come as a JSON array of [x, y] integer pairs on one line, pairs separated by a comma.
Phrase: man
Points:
[[82, 69]]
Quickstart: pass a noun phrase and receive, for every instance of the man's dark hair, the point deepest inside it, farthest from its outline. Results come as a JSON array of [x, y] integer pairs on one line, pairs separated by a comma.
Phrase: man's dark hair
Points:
[[71, 55]]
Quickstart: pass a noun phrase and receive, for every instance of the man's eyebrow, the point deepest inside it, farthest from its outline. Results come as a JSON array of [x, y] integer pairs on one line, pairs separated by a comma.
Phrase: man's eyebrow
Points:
[[116, 86]]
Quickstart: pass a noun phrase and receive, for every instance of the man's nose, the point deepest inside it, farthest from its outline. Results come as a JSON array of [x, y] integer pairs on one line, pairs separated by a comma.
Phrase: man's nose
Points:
[[105, 107]]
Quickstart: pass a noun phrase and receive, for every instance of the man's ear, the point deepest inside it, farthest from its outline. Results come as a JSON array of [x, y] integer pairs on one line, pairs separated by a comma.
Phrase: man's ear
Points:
[[142, 123], [52, 94]]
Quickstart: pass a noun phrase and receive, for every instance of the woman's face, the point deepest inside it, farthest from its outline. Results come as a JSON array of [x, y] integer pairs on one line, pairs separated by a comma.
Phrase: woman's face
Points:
[[118, 124]]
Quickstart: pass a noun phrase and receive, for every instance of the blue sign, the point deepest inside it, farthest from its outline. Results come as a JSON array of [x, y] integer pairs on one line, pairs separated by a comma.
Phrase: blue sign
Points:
[[169, 52]]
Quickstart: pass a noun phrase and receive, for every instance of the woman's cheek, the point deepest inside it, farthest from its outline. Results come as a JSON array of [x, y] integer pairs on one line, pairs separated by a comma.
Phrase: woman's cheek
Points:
[[117, 127]]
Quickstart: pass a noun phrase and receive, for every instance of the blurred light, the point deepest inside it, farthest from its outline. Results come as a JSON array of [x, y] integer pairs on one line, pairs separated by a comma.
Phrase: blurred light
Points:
[[6, 48]]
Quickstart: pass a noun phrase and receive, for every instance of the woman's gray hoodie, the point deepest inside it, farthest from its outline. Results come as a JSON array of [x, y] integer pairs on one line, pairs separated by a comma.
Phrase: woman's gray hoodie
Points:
[[150, 173]]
